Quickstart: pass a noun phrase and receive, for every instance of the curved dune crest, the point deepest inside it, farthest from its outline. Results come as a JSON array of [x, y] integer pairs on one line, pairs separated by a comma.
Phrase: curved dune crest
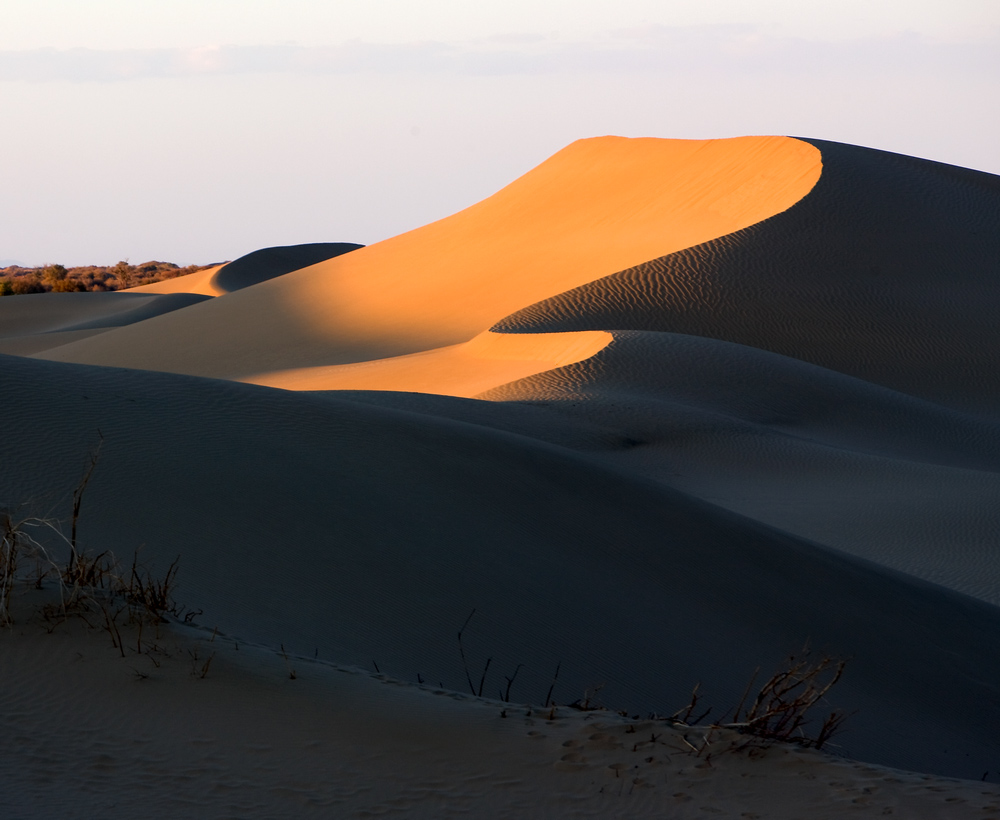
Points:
[[250, 269], [202, 282], [466, 370], [596, 207], [887, 272]]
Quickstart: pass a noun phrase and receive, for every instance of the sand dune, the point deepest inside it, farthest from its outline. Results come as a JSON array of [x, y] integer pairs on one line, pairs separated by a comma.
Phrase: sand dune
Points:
[[202, 282], [250, 269], [37, 322], [887, 271], [485, 362], [659, 412], [592, 209], [865, 469], [542, 541]]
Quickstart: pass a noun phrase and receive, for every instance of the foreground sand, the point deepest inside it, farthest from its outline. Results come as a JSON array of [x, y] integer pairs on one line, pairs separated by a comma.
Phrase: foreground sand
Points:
[[198, 725], [659, 412]]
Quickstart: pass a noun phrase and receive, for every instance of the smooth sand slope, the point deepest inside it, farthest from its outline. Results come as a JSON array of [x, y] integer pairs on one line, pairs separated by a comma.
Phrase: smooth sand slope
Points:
[[880, 474], [595, 207], [39, 321]]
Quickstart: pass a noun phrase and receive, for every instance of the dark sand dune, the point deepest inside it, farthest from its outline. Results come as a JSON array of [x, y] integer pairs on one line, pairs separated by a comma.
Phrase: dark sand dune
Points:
[[267, 263], [880, 474], [39, 321], [365, 533], [888, 270]]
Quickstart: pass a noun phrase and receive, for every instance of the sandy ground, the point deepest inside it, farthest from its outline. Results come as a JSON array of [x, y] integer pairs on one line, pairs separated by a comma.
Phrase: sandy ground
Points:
[[659, 412], [190, 723]]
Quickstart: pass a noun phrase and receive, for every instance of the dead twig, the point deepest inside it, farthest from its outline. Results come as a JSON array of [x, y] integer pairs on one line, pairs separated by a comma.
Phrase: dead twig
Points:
[[78, 499]]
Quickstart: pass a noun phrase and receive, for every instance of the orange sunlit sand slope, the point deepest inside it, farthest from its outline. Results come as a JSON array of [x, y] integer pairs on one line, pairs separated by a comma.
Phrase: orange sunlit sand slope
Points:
[[596, 207]]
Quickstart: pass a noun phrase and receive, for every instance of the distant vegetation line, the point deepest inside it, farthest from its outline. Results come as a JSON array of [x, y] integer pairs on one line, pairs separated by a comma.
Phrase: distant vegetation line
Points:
[[16, 280]]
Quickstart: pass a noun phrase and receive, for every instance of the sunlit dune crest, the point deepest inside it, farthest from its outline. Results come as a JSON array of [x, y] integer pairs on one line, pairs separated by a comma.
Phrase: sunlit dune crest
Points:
[[202, 282], [594, 208], [250, 269], [468, 369]]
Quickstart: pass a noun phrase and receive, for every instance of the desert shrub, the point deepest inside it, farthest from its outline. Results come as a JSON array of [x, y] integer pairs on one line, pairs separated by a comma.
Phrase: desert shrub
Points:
[[67, 286], [52, 275], [30, 283], [5, 288], [124, 273]]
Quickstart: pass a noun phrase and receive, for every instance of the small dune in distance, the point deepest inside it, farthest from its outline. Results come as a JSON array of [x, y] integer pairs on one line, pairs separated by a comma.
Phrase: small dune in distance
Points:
[[660, 483]]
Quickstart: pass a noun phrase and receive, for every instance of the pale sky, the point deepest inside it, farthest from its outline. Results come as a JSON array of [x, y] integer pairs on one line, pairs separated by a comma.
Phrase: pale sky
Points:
[[195, 131]]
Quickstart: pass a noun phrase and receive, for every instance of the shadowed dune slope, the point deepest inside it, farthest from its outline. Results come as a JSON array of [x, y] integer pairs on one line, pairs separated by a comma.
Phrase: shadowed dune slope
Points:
[[595, 207], [56, 312], [268, 263], [891, 478], [889, 270], [250, 269], [361, 533], [38, 321]]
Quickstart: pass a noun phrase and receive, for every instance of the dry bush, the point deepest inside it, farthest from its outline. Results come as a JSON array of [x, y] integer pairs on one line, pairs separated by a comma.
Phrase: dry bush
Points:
[[18, 543], [781, 709], [149, 597], [28, 283], [89, 585], [783, 706]]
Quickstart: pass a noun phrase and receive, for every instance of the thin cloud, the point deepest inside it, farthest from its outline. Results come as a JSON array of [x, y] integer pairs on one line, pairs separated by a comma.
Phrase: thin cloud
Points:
[[715, 50]]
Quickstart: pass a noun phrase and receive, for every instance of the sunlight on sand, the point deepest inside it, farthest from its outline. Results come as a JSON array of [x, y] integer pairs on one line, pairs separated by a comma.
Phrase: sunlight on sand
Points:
[[203, 283], [596, 207], [483, 363]]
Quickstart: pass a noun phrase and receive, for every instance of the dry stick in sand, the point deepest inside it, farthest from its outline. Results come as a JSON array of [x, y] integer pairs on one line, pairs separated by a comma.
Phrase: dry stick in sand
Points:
[[684, 715], [555, 677], [78, 499], [465, 664], [10, 540], [288, 664], [16, 541], [505, 696]]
